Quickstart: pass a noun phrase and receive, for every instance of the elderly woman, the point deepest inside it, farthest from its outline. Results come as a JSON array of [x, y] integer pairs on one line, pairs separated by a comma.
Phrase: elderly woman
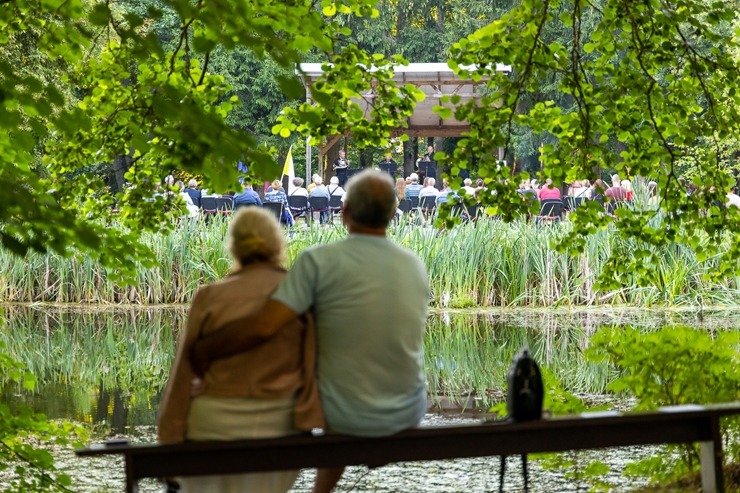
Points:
[[277, 195], [401, 189], [264, 393]]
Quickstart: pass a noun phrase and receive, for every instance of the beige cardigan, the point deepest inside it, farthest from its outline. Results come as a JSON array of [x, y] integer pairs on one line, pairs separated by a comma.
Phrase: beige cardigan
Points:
[[280, 367]]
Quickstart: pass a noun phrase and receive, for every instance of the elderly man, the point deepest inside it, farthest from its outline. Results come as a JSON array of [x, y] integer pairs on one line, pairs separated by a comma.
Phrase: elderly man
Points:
[[320, 191], [369, 333], [413, 188], [247, 197]]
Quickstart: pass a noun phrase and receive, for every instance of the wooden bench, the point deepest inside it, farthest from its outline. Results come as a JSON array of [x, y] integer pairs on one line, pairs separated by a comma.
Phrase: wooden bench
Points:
[[676, 425]]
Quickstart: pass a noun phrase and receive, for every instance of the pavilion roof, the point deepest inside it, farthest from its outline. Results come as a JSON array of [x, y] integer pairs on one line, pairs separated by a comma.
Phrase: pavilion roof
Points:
[[436, 80]]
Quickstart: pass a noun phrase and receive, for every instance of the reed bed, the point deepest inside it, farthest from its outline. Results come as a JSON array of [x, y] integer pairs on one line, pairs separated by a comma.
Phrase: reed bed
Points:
[[82, 356], [489, 264]]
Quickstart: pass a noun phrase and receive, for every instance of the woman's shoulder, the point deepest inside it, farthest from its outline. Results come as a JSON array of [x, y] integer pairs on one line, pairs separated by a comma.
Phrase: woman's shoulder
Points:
[[261, 274]]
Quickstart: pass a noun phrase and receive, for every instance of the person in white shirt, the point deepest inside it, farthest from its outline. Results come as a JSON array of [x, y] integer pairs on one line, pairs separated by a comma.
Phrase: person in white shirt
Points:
[[192, 208], [468, 186], [733, 199], [429, 190], [334, 188], [298, 191], [579, 190]]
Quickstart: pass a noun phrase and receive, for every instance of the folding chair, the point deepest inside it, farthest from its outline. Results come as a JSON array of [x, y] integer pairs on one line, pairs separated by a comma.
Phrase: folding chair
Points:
[[276, 208], [208, 204], [320, 205], [427, 205], [224, 205], [551, 210], [335, 205], [298, 205]]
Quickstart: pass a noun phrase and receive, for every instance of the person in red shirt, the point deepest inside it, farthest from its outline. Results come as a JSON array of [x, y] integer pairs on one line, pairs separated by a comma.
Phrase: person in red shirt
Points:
[[548, 191], [616, 193]]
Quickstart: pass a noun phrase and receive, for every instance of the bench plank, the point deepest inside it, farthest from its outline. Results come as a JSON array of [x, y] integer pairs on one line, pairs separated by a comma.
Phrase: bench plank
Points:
[[695, 424]]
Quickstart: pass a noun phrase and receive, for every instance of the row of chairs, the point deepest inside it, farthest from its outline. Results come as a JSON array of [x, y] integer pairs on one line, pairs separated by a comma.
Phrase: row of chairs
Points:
[[553, 209], [299, 206], [428, 205], [326, 208], [216, 205]]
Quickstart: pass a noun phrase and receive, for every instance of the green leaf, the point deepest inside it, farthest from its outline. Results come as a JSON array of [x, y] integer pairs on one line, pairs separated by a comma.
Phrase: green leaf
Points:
[[100, 14]]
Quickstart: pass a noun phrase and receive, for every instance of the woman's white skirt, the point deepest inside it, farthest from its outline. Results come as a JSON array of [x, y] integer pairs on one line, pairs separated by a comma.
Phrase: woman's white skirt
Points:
[[227, 418]]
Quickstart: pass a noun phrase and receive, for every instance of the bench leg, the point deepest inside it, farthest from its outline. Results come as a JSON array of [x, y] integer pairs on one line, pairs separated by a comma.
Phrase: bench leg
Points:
[[710, 453], [132, 483]]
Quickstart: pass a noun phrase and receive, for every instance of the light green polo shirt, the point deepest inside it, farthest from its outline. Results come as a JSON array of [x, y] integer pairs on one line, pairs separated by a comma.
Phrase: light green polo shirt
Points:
[[370, 298]]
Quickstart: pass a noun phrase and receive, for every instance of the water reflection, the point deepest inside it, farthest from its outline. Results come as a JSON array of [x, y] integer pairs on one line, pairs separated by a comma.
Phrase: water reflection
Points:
[[95, 366], [108, 366]]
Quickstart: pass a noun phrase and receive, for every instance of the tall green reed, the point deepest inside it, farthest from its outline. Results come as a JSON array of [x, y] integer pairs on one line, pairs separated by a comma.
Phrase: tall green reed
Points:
[[489, 263]]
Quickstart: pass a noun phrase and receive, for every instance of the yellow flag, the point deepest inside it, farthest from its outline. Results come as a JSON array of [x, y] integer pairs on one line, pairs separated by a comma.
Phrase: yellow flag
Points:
[[289, 171]]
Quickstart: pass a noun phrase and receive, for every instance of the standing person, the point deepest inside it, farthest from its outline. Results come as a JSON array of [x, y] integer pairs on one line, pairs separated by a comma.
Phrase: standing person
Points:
[[426, 167], [388, 165], [340, 167], [369, 333], [429, 156], [267, 392]]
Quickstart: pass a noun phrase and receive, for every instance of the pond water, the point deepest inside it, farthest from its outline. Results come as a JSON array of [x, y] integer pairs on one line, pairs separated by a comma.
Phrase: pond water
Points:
[[107, 367]]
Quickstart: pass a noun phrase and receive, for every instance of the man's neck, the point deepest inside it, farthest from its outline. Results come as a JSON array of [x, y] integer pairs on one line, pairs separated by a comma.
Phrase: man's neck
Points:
[[364, 230]]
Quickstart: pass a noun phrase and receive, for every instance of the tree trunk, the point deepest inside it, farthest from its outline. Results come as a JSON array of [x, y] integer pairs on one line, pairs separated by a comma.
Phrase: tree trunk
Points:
[[366, 158], [331, 155], [409, 155], [120, 165]]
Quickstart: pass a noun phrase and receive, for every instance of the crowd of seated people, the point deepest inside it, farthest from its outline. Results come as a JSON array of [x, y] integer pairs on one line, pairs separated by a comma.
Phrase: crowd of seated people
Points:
[[426, 197]]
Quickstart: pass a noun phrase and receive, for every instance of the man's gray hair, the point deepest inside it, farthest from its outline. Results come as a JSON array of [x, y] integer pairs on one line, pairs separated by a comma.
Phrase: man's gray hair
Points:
[[371, 199]]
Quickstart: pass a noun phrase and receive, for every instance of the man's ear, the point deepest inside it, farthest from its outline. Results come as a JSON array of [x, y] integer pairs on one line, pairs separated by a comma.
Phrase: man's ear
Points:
[[345, 213]]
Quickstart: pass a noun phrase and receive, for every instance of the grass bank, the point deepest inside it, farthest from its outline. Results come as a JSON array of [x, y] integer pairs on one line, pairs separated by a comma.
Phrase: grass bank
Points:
[[491, 264]]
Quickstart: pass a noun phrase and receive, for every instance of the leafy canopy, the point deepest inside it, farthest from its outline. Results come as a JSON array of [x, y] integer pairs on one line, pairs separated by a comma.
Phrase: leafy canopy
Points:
[[639, 85], [644, 80], [152, 100]]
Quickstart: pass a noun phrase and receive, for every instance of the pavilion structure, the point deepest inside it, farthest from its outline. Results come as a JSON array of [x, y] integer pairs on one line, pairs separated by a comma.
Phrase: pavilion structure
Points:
[[434, 79]]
